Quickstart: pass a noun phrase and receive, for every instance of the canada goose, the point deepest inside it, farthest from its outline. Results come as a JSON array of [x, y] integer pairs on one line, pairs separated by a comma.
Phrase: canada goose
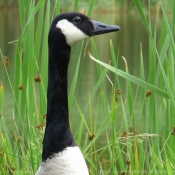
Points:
[[60, 153]]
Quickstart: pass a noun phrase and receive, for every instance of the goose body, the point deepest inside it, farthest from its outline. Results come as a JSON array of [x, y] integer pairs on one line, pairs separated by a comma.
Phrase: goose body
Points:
[[60, 153]]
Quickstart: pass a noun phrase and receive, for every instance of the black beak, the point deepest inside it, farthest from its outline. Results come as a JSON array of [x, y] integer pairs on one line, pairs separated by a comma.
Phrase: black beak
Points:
[[100, 28]]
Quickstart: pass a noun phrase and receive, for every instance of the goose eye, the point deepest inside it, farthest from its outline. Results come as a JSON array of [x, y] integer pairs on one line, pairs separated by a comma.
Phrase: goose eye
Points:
[[77, 20]]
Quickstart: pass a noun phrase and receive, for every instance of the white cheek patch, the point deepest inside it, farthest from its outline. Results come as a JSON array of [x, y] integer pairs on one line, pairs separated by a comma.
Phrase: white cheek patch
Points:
[[71, 32]]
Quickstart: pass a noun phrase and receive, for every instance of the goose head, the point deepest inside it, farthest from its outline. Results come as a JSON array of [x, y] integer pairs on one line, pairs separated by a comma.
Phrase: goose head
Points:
[[75, 26]]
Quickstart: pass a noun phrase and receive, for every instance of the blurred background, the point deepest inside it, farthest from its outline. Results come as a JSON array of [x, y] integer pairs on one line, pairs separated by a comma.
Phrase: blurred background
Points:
[[126, 42]]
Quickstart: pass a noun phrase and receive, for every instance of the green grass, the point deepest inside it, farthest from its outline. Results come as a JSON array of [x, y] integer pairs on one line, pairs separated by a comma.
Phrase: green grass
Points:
[[134, 145]]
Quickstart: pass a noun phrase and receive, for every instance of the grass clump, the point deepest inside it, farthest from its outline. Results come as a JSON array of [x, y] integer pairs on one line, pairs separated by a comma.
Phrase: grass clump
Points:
[[135, 140]]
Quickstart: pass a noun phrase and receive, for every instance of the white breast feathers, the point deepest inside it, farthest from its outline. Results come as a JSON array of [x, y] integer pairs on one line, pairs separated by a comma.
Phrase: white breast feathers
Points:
[[68, 162]]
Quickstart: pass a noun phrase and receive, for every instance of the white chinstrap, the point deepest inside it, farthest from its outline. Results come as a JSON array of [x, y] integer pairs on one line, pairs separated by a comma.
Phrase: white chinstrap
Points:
[[70, 31]]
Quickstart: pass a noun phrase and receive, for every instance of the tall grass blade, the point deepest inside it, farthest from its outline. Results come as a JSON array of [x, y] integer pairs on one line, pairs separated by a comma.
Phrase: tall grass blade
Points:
[[133, 79]]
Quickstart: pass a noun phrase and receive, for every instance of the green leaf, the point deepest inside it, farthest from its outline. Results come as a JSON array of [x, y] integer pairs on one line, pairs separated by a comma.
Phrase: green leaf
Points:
[[132, 79]]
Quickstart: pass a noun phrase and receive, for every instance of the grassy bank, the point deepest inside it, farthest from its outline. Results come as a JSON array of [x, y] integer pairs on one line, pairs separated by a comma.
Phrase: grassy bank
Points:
[[132, 148]]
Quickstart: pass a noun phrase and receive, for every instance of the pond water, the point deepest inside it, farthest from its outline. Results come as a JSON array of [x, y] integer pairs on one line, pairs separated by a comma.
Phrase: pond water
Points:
[[126, 43]]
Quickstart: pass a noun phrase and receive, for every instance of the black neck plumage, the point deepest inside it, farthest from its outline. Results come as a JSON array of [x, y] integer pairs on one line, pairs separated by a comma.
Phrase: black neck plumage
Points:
[[57, 133]]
